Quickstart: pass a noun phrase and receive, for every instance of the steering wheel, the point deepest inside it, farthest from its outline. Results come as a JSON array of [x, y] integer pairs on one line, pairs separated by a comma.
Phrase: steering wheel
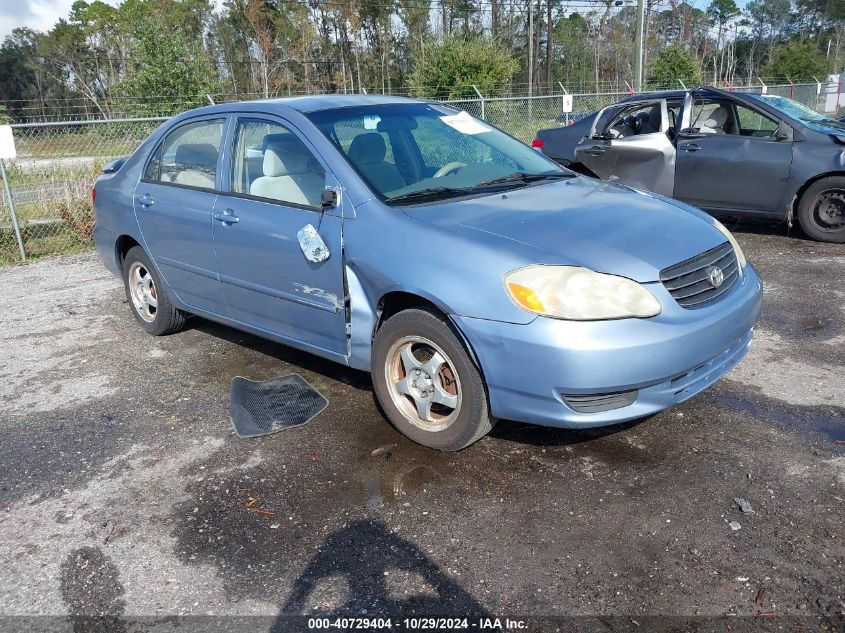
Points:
[[449, 168]]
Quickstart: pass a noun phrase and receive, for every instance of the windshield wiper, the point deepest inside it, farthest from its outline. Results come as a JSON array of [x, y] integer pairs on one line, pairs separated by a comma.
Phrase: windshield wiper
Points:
[[440, 193], [430, 193], [524, 178], [824, 121]]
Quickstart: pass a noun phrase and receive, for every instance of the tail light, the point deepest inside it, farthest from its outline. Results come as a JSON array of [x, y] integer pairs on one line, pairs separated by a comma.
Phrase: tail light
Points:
[[537, 143], [93, 195]]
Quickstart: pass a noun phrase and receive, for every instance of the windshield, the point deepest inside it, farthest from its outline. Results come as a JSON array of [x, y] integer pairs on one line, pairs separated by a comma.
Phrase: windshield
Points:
[[799, 111], [418, 151]]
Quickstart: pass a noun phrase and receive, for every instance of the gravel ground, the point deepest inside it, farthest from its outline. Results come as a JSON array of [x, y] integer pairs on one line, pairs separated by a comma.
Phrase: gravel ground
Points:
[[125, 492]]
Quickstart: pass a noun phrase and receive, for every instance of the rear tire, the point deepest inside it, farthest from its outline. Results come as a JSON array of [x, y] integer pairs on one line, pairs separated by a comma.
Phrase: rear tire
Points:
[[147, 297], [426, 382], [821, 210]]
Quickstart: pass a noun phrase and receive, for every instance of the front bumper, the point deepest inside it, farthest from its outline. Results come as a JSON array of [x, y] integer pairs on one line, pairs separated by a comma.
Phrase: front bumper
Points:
[[529, 369]]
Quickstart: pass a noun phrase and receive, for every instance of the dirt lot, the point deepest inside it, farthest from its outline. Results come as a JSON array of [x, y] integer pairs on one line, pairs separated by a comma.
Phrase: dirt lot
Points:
[[125, 492]]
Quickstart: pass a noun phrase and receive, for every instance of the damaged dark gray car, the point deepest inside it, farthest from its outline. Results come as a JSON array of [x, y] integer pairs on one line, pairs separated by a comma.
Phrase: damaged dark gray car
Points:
[[726, 152]]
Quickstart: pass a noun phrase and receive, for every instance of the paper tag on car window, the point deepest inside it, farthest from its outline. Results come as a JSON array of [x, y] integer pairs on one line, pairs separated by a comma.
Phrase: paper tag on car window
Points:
[[371, 122], [464, 123]]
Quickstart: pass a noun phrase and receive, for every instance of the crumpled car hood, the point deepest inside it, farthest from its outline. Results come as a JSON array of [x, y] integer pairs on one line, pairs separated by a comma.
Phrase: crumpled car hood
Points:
[[584, 222]]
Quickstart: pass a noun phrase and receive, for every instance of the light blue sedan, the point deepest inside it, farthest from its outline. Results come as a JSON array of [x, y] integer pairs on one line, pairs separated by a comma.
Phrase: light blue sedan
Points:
[[470, 275]]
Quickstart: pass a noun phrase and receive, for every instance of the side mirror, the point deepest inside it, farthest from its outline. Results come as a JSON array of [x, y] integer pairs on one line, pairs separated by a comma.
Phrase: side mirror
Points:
[[328, 199], [784, 132]]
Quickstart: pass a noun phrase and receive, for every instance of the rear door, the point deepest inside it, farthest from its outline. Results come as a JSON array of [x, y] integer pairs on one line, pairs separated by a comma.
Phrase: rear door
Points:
[[633, 149], [732, 157], [174, 202], [274, 183]]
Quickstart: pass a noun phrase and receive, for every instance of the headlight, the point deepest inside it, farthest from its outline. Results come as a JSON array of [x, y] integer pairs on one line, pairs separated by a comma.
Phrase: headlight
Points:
[[578, 294], [740, 256]]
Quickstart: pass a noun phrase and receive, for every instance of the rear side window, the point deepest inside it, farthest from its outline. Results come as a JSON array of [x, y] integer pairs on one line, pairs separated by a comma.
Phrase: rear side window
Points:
[[188, 156], [272, 163]]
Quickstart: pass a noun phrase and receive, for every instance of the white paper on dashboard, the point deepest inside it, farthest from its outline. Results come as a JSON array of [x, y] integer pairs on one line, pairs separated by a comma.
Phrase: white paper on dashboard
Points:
[[464, 123]]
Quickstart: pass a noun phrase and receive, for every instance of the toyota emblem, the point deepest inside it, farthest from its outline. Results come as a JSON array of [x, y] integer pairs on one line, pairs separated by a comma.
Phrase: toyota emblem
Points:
[[715, 276]]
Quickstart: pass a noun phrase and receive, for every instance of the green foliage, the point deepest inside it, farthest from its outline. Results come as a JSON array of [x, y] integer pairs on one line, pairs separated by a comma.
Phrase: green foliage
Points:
[[168, 65], [798, 60], [4, 116], [449, 69], [674, 63]]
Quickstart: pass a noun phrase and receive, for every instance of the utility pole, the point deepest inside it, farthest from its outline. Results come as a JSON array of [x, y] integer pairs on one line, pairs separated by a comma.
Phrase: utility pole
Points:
[[638, 61], [530, 47]]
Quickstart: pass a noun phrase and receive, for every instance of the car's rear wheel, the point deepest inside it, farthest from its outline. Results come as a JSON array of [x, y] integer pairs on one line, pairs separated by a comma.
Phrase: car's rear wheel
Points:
[[821, 211], [147, 296], [426, 383]]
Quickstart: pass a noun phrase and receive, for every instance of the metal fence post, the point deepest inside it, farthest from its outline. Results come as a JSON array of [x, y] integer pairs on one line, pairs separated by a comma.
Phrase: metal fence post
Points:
[[565, 92], [481, 98], [12, 210]]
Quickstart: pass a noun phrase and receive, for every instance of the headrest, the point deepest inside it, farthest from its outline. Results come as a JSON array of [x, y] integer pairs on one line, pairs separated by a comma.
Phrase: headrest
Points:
[[284, 155], [367, 148], [197, 156], [717, 118]]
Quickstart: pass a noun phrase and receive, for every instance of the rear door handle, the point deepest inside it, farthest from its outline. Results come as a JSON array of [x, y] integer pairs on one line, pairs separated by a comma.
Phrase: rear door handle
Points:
[[690, 147], [596, 150], [145, 201], [227, 217]]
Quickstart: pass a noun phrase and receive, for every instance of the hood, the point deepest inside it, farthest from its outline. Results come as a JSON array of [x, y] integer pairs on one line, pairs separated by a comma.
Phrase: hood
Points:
[[584, 222]]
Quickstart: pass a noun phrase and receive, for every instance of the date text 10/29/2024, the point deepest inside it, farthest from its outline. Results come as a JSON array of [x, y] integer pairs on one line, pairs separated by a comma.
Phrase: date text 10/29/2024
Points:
[[417, 624]]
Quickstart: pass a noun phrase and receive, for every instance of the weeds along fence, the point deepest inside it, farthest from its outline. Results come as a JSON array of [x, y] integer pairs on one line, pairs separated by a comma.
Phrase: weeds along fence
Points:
[[57, 162]]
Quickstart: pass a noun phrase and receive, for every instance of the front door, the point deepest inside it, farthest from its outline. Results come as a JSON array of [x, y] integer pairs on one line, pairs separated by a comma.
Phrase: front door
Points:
[[633, 149], [273, 190], [174, 202], [732, 157]]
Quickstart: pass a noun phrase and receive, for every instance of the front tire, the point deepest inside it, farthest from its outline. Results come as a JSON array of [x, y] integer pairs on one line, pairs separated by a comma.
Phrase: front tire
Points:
[[427, 384], [821, 211], [148, 300]]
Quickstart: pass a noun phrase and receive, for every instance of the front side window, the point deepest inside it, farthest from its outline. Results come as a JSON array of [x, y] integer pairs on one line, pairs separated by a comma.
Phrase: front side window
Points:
[[188, 156], [726, 117], [410, 150], [272, 163]]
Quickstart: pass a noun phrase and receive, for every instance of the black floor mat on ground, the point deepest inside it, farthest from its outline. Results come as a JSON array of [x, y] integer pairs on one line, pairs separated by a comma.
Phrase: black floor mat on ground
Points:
[[264, 407]]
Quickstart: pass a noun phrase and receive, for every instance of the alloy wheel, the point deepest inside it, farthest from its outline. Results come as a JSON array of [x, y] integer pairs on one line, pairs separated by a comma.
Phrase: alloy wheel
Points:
[[142, 290], [423, 383]]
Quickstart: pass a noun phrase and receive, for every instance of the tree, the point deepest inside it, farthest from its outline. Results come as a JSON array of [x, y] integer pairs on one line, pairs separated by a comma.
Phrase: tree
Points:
[[674, 63], [172, 73], [451, 68], [798, 60]]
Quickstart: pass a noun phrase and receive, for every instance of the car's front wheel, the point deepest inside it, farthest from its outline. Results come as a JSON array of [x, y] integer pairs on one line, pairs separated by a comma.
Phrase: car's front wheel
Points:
[[147, 296], [427, 384], [821, 211]]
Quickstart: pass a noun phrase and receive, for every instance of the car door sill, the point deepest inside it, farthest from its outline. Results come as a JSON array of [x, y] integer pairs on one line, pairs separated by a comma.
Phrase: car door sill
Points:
[[338, 357]]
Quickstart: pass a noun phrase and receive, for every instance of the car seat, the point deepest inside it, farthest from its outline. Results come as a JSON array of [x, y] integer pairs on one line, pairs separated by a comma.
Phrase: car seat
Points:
[[196, 165], [288, 175], [367, 152], [715, 122]]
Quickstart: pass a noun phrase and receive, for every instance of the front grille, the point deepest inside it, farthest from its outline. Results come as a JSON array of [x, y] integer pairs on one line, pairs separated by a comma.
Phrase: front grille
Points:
[[688, 281], [597, 403]]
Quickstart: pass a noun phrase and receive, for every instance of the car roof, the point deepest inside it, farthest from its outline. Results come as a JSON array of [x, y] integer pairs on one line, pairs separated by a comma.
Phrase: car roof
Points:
[[679, 94], [304, 104]]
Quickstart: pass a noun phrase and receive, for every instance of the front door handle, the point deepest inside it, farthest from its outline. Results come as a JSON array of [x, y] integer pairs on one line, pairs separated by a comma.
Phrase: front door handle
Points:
[[227, 217], [690, 147], [596, 150], [145, 201]]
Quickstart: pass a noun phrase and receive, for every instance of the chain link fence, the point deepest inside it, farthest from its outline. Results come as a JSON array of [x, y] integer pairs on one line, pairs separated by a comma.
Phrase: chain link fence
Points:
[[57, 162]]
